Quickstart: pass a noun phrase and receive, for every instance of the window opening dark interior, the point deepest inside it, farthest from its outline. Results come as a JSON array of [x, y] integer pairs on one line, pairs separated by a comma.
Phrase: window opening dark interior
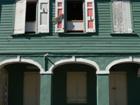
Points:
[[31, 12], [75, 10]]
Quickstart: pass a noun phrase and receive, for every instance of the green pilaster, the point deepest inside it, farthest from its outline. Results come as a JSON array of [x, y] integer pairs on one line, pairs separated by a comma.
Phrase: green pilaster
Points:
[[102, 90], [45, 89]]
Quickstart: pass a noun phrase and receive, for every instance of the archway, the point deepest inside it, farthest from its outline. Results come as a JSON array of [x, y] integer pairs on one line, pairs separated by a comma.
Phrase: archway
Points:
[[124, 84], [20, 84], [74, 83]]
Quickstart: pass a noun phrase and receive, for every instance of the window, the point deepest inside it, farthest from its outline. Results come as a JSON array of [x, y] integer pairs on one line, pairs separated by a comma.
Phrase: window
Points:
[[78, 16], [31, 16], [76, 87], [122, 22], [75, 19], [30, 24]]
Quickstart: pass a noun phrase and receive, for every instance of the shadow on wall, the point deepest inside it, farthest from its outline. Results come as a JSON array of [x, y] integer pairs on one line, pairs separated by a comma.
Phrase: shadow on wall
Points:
[[7, 1]]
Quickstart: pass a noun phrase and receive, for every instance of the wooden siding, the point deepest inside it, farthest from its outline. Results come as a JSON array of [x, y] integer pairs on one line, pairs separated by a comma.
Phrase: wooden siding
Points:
[[136, 15], [100, 42], [6, 18]]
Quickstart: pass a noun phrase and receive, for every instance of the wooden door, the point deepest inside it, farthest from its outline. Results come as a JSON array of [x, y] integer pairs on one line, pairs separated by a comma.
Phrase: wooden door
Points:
[[31, 88], [76, 87], [118, 88]]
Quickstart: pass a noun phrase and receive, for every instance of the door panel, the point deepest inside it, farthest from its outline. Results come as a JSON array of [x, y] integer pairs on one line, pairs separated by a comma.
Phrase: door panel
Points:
[[76, 87], [118, 88], [31, 88]]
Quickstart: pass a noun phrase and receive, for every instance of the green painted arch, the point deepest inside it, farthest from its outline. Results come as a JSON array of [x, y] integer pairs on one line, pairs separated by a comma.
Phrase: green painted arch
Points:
[[21, 60], [74, 60], [120, 61]]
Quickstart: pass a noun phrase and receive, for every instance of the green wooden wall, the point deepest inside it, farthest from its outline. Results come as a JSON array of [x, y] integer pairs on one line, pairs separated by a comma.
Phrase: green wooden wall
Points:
[[7, 10], [100, 42]]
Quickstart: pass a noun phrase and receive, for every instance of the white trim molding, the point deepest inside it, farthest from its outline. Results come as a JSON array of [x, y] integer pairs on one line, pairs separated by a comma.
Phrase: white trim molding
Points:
[[119, 61], [73, 60], [22, 60]]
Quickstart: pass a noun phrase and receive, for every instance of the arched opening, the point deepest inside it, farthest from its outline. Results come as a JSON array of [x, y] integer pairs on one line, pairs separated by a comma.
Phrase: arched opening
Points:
[[20, 84], [124, 84], [74, 84]]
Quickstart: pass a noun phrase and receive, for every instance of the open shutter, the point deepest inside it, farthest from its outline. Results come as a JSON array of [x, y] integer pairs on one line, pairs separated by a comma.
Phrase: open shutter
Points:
[[20, 17], [43, 16], [90, 16], [59, 16]]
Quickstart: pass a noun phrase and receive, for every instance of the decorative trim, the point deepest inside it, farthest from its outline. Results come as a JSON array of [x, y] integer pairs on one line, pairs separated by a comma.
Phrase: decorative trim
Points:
[[22, 60], [118, 61], [102, 72], [136, 60], [73, 60]]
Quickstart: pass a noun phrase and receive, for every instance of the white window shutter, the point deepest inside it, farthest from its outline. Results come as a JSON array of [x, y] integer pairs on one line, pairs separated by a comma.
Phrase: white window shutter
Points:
[[127, 22], [43, 16], [122, 16], [117, 16], [59, 16], [20, 17], [90, 16]]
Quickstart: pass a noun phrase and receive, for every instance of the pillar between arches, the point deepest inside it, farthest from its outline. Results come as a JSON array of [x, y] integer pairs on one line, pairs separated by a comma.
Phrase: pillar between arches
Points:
[[102, 89], [45, 89]]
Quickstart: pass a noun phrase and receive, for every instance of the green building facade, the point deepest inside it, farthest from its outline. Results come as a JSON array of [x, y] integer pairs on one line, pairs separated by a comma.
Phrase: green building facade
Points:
[[49, 66]]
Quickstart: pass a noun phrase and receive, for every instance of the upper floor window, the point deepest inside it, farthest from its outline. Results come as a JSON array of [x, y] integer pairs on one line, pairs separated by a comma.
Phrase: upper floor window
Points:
[[75, 16], [31, 16], [122, 22]]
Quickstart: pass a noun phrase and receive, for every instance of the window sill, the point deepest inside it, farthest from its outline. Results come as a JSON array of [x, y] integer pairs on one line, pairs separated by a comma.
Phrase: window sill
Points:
[[29, 35], [124, 34], [77, 34]]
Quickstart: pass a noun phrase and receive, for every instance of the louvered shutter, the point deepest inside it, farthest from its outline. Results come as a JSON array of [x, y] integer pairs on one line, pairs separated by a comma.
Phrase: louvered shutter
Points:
[[59, 16], [20, 17], [90, 16], [43, 16]]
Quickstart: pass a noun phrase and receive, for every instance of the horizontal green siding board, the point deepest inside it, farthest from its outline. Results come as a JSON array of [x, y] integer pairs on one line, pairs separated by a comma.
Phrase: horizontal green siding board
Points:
[[136, 15], [71, 45], [103, 17]]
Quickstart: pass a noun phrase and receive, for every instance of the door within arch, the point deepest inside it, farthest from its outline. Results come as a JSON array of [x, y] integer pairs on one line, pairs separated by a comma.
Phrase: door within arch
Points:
[[74, 84], [21, 84], [124, 84]]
